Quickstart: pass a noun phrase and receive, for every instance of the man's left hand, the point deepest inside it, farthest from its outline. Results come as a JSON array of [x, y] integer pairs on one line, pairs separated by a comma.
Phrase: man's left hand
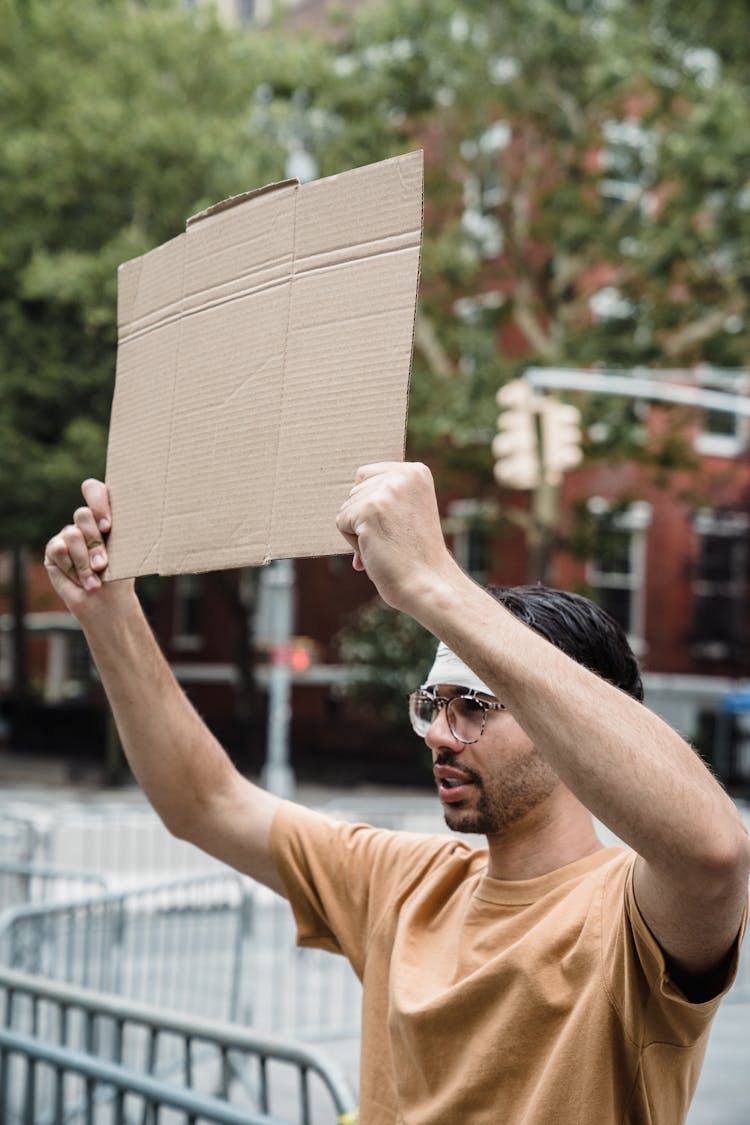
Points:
[[391, 520]]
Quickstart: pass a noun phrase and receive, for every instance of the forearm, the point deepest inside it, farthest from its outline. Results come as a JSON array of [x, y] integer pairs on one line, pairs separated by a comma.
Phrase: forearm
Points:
[[181, 767], [174, 757]]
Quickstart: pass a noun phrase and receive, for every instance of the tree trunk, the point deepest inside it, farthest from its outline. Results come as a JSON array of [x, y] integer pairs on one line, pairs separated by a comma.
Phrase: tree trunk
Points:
[[20, 682]]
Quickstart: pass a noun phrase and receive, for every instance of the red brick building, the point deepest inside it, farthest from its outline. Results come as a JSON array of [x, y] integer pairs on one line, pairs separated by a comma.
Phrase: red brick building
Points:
[[668, 558]]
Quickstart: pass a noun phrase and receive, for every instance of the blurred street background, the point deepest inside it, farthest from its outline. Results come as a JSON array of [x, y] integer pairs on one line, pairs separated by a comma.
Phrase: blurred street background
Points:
[[579, 389]]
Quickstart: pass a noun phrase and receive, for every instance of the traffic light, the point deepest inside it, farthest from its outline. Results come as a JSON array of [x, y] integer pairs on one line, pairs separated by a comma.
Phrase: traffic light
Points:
[[297, 655], [516, 446], [561, 439]]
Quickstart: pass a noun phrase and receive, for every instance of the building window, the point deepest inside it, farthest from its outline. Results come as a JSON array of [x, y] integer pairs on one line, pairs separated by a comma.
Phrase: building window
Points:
[[470, 524], [616, 567], [719, 584], [724, 434], [79, 658], [187, 632]]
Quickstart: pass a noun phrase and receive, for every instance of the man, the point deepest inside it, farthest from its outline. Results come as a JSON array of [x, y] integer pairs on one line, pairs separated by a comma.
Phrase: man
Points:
[[544, 979]]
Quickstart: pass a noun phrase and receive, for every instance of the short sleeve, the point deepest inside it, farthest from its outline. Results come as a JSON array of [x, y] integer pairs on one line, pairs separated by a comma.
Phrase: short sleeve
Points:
[[651, 1006], [341, 877]]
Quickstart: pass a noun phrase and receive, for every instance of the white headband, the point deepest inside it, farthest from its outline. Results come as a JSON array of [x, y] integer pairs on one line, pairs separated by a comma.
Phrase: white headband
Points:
[[448, 669]]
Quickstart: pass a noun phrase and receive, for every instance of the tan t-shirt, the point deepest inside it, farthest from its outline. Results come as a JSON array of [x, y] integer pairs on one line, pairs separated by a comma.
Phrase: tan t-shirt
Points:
[[485, 1001]]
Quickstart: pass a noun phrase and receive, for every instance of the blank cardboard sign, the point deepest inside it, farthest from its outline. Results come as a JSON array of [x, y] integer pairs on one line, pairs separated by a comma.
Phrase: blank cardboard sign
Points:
[[263, 355]]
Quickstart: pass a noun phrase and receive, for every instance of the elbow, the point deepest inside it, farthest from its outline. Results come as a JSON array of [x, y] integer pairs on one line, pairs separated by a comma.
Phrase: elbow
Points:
[[176, 826], [174, 820], [181, 818], [728, 863]]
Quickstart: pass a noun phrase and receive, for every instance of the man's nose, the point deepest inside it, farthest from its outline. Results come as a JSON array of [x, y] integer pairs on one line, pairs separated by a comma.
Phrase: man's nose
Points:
[[439, 733]]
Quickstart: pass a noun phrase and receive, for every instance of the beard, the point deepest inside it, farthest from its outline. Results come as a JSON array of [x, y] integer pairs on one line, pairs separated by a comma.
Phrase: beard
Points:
[[500, 802]]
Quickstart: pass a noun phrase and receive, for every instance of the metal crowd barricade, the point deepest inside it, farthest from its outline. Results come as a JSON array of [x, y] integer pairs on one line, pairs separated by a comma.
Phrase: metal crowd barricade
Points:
[[20, 839], [126, 841], [217, 945], [181, 944], [309, 993], [25, 883], [69, 1054]]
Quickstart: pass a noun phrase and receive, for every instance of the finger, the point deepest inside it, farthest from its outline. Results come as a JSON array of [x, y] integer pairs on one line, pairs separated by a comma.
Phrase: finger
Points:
[[377, 468], [79, 555], [85, 520], [57, 557], [96, 495]]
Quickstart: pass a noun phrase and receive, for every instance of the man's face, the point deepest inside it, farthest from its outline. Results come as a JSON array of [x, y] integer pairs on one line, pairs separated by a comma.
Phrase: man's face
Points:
[[489, 785]]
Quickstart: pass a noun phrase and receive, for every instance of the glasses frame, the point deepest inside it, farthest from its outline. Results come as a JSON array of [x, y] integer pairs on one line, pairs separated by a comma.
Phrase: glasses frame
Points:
[[445, 701]]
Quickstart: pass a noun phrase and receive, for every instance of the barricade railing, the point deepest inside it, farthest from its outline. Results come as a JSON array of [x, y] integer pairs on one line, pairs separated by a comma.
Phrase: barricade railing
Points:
[[128, 843], [216, 945], [309, 993], [22, 884], [180, 944], [123, 840], [69, 1054], [20, 839]]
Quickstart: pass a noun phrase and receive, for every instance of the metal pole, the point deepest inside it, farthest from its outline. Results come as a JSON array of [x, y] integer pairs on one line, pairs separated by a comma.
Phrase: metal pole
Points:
[[545, 508], [277, 775], [635, 386]]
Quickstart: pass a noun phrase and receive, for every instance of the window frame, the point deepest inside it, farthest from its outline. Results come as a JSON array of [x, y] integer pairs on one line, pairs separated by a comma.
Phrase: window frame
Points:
[[732, 526], [635, 520], [187, 588]]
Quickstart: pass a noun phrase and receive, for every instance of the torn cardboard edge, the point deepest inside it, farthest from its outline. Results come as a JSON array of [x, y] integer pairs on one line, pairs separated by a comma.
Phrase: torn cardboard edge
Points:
[[263, 355], [234, 200]]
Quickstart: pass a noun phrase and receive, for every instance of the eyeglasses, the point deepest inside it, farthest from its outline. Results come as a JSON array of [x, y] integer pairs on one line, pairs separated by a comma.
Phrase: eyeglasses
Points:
[[466, 714]]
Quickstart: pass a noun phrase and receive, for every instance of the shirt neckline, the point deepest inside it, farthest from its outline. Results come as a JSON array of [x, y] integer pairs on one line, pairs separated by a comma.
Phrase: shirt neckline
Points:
[[524, 892]]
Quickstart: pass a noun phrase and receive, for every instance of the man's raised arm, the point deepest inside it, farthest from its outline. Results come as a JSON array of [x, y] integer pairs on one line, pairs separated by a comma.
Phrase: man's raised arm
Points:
[[183, 770], [630, 769]]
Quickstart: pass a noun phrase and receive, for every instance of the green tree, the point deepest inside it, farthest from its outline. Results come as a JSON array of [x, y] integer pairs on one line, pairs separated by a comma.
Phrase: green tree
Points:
[[718, 26], [119, 121], [587, 203], [587, 194], [389, 653]]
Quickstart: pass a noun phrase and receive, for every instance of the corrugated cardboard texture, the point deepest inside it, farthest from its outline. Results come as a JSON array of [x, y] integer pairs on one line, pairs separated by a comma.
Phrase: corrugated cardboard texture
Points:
[[263, 355]]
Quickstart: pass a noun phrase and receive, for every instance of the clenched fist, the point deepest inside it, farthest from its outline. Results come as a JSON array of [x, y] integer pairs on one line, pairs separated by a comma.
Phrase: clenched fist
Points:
[[391, 520], [76, 557]]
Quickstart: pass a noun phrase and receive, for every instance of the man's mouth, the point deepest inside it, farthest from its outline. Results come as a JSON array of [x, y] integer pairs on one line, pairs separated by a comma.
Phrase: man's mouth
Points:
[[453, 785]]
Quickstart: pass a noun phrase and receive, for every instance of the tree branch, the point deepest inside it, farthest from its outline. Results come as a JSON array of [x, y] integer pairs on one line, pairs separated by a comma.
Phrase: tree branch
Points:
[[685, 338], [427, 343]]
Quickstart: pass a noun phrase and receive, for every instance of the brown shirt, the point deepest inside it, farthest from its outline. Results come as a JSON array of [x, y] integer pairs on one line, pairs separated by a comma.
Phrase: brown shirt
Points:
[[488, 1001]]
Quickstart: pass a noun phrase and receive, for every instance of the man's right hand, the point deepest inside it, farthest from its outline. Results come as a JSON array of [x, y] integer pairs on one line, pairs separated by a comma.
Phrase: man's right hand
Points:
[[76, 557]]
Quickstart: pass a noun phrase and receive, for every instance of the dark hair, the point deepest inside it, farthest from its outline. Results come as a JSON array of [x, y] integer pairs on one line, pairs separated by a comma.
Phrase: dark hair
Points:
[[578, 627]]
